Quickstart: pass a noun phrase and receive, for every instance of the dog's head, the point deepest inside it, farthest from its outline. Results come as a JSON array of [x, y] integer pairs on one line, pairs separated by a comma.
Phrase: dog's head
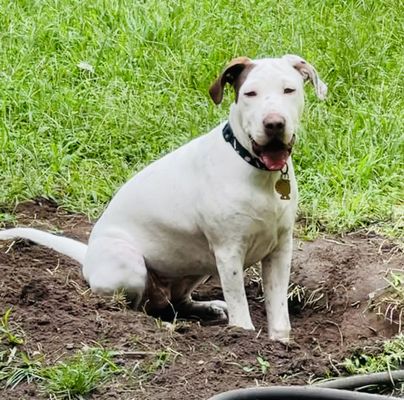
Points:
[[269, 102]]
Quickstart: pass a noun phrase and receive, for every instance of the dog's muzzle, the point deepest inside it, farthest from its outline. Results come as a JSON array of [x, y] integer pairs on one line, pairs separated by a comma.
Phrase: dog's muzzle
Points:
[[274, 155]]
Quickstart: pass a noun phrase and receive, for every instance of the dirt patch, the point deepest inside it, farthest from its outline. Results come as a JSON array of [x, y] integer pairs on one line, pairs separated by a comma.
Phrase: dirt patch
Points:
[[51, 303]]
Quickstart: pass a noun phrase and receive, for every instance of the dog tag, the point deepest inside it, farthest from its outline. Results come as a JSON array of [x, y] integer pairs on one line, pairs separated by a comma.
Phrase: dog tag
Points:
[[282, 186]]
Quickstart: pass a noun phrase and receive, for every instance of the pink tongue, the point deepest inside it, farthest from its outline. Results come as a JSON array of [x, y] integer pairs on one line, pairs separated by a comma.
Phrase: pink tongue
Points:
[[275, 160]]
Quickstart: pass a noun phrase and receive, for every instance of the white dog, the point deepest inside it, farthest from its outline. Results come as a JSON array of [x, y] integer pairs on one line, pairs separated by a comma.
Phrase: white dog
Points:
[[218, 204]]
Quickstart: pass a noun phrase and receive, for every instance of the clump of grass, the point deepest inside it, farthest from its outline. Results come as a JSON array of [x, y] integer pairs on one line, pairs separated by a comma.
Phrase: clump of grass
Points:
[[298, 295], [305, 297], [8, 331], [260, 368], [160, 360], [80, 374], [75, 376], [389, 357], [17, 367], [263, 365], [6, 218], [389, 303], [119, 300]]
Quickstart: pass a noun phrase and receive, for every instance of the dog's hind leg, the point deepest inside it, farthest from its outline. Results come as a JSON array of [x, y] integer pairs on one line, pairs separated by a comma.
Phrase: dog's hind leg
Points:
[[113, 264], [186, 307]]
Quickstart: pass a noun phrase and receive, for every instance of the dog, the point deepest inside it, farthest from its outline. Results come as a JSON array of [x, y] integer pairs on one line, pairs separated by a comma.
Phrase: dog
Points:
[[214, 206]]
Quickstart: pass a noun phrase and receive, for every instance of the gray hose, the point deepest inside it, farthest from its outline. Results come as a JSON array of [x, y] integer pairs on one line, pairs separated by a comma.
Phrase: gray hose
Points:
[[359, 381], [297, 393]]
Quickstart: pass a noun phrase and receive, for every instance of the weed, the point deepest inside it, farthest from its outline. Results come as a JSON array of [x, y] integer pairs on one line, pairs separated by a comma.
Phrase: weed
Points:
[[119, 300], [71, 378], [80, 374], [160, 360], [6, 218], [174, 326], [305, 297], [389, 302], [17, 367], [246, 368], [8, 332], [263, 364], [260, 368], [390, 357]]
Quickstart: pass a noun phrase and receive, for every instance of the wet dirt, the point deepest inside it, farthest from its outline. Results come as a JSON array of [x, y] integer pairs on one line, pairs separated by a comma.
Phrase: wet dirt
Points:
[[52, 305]]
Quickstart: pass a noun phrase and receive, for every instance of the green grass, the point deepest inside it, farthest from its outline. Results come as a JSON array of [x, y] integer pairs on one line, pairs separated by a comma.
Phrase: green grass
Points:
[[72, 378], [8, 332], [80, 374], [384, 356], [77, 375], [75, 132], [261, 368], [389, 357], [16, 365]]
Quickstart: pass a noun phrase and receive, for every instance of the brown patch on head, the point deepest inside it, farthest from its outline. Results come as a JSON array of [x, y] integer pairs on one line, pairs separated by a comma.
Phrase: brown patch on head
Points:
[[235, 73]]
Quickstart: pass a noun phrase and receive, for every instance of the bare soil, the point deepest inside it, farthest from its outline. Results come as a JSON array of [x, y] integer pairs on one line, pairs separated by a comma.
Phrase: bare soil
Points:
[[58, 315]]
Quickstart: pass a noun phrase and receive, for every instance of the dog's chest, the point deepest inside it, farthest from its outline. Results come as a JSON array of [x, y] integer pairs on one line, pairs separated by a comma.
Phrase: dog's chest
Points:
[[262, 228], [252, 220]]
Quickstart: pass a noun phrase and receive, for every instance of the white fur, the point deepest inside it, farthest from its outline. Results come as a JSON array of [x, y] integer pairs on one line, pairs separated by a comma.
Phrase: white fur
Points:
[[202, 210], [269, 83]]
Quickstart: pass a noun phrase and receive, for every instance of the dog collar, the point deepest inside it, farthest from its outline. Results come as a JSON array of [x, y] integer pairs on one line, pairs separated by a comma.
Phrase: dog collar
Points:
[[282, 186], [240, 150]]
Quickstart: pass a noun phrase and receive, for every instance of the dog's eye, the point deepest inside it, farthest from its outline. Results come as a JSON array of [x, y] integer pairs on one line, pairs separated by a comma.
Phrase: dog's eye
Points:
[[250, 94], [288, 90]]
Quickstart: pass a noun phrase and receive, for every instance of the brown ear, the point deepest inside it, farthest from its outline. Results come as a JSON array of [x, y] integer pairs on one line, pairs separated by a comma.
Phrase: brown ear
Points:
[[309, 73], [234, 73]]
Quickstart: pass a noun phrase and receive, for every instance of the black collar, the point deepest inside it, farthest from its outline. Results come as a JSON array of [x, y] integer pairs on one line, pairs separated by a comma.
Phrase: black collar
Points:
[[240, 150]]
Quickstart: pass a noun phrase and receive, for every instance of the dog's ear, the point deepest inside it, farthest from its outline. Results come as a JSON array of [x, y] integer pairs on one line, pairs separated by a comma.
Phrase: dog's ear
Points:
[[309, 73], [235, 73]]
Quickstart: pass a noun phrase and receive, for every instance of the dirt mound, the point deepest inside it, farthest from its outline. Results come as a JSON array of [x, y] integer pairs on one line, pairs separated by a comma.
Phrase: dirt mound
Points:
[[332, 278]]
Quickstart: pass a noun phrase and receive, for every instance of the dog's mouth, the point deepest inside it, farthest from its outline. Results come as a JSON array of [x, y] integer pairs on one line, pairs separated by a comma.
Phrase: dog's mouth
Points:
[[274, 155]]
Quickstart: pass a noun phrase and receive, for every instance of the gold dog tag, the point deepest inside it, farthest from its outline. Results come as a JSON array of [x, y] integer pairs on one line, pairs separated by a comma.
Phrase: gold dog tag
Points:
[[282, 186]]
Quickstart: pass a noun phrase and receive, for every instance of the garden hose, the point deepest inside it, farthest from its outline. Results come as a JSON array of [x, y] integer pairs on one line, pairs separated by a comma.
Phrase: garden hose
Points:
[[335, 389], [297, 393], [360, 381]]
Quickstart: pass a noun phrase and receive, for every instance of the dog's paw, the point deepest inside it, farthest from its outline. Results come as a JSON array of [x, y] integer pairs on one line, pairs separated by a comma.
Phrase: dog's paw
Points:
[[280, 336], [218, 309], [217, 312], [246, 325], [249, 327], [284, 340]]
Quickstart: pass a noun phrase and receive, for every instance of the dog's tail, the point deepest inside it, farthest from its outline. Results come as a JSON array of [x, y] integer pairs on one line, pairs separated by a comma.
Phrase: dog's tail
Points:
[[69, 247]]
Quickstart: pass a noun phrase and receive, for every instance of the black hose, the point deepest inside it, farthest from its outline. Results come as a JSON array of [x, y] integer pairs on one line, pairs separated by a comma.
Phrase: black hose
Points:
[[360, 381], [325, 390], [296, 393]]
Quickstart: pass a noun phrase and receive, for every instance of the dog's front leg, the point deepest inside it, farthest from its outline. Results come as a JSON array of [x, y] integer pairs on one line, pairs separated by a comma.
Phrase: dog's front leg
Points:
[[230, 268], [275, 276]]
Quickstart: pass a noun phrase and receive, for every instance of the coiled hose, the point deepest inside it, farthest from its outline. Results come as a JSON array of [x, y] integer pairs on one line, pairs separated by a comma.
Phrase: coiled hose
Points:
[[328, 390]]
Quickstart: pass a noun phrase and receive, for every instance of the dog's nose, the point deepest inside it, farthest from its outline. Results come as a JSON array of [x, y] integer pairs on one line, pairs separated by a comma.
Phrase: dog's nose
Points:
[[274, 125]]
